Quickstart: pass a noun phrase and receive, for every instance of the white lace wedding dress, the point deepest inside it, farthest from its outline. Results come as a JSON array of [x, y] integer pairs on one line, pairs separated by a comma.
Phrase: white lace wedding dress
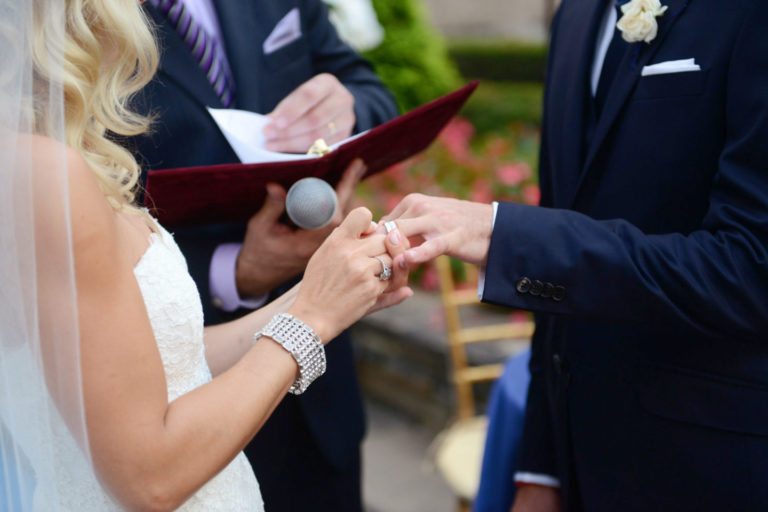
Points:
[[176, 315]]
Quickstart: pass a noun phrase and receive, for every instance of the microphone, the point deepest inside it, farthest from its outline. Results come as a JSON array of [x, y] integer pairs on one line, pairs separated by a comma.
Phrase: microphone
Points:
[[311, 203]]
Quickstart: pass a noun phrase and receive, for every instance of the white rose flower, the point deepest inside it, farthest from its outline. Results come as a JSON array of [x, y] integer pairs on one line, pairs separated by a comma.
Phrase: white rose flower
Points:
[[356, 23], [639, 20]]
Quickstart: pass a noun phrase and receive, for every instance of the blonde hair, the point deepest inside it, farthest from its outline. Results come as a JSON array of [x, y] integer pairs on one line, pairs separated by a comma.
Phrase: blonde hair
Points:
[[107, 54]]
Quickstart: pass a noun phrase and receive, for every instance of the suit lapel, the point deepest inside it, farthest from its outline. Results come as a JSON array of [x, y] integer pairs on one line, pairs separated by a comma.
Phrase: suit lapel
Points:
[[178, 64], [569, 87], [637, 56]]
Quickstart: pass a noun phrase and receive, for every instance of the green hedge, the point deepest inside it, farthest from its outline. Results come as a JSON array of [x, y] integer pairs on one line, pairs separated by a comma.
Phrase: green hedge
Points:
[[413, 59], [496, 105], [503, 61]]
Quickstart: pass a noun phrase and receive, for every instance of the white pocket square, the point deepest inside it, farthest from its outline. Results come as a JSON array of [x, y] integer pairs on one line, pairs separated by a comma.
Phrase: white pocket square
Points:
[[285, 32], [671, 66]]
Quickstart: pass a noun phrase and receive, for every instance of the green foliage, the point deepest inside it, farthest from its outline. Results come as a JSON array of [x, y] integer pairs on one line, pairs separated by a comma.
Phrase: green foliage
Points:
[[500, 60], [413, 59], [496, 105]]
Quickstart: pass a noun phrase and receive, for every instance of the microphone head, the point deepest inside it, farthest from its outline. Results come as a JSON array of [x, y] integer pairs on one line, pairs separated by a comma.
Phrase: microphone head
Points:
[[311, 203]]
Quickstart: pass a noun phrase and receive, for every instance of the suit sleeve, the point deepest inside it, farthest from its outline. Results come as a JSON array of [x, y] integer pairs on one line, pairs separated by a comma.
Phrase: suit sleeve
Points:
[[374, 104], [713, 281], [537, 445]]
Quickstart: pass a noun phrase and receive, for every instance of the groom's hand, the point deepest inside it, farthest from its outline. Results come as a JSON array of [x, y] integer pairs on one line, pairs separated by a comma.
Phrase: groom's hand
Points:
[[461, 229], [536, 498], [272, 252]]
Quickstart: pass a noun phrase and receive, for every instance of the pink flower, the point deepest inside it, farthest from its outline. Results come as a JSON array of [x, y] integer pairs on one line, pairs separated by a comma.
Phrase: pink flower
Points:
[[429, 279], [482, 192], [513, 174], [398, 171], [531, 194], [391, 201], [455, 136], [496, 148]]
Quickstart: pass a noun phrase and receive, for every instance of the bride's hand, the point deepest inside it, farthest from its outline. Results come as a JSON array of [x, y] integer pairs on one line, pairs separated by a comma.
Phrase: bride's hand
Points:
[[398, 289], [341, 282]]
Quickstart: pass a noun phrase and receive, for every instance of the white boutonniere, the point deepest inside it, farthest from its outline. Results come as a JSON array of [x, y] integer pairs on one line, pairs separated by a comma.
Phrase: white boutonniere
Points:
[[639, 20], [356, 23]]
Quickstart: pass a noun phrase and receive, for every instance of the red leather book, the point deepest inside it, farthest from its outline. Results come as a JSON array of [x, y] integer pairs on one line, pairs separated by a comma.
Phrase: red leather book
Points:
[[234, 192]]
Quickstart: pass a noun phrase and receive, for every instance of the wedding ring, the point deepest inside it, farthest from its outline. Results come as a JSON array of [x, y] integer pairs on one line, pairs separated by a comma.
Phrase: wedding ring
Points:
[[390, 225], [332, 128], [386, 272]]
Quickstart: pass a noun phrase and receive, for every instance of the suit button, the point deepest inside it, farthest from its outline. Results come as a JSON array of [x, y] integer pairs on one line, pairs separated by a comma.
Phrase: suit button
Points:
[[536, 288], [216, 302], [523, 285], [558, 293], [546, 293], [558, 362]]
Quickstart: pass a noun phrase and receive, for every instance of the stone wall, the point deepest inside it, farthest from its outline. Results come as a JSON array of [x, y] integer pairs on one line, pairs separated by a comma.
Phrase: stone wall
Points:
[[522, 20]]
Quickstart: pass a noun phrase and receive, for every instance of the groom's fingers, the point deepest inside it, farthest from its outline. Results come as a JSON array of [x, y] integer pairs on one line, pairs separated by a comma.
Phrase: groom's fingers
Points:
[[411, 201], [418, 226], [427, 251]]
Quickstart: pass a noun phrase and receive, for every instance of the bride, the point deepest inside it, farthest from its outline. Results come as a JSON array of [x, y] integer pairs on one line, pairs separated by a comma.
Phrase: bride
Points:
[[112, 394]]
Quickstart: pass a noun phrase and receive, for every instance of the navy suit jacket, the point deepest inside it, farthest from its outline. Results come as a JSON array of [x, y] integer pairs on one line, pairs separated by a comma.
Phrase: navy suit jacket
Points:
[[649, 371], [183, 134]]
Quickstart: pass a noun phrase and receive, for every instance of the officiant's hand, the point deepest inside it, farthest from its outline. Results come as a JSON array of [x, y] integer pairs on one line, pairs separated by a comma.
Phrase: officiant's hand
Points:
[[272, 252], [442, 226], [320, 108]]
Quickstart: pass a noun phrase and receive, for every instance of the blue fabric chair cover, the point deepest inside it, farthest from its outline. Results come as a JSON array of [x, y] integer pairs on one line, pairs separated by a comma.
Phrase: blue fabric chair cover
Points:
[[506, 411]]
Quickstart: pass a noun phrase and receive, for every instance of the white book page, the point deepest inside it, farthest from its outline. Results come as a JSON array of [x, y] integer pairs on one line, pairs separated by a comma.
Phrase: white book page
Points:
[[244, 131]]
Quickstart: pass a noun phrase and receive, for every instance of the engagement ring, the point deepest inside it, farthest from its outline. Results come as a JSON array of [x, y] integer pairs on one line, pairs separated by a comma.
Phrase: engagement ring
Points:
[[386, 272]]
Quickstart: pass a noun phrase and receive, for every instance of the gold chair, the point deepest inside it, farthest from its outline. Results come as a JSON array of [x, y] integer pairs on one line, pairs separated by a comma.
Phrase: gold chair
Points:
[[459, 448]]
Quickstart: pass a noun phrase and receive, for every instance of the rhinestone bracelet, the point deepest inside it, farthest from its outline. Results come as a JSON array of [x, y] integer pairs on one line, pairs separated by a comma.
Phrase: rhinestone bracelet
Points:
[[302, 342]]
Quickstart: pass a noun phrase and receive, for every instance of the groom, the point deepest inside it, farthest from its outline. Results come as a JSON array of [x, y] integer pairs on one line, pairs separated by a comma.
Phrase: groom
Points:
[[647, 262], [285, 58]]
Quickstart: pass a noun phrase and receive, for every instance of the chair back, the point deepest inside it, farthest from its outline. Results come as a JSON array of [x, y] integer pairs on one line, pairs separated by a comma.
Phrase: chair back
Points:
[[465, 374]]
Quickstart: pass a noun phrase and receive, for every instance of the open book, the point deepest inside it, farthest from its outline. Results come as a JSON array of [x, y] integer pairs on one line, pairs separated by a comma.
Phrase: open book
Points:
[[234, 192]]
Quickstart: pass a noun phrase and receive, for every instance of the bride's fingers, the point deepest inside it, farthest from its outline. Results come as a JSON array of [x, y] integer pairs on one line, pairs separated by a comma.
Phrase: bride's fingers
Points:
[[357, 223], [391, 299], [372, 245], [396, 245], [381, 265]]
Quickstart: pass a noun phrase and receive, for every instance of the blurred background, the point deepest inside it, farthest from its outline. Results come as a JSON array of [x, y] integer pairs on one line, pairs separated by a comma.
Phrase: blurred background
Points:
[[412, 360]]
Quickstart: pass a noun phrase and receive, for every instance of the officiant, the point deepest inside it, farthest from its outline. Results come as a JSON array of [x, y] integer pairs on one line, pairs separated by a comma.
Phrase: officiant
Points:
[[283, 59]]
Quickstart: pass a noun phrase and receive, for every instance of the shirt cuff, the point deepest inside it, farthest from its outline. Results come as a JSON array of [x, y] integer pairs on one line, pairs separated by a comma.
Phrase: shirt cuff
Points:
[[536, 479], [481, 271], [223, 284]]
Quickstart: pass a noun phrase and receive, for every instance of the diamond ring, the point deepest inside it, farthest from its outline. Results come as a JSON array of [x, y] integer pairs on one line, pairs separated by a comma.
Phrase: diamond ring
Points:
[[390, 225], [386, 272]]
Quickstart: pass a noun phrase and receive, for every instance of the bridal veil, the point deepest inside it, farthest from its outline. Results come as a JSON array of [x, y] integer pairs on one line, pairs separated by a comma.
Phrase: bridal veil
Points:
[[41, 399]]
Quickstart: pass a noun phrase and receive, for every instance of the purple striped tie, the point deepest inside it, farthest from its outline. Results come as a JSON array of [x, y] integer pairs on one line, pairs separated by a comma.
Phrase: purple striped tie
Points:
[[205, 48]]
